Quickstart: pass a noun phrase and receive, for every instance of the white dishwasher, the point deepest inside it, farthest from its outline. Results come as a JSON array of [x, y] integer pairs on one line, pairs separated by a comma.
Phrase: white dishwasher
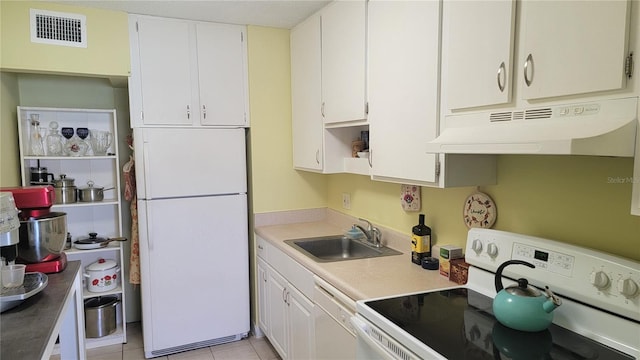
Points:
[[335, 336]]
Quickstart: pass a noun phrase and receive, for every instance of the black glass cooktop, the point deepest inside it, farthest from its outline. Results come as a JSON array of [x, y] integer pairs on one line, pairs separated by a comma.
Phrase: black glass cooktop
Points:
[[459, 324]]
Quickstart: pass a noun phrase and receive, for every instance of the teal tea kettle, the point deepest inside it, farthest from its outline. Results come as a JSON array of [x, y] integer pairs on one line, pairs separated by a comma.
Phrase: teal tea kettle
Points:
[[523, 307]]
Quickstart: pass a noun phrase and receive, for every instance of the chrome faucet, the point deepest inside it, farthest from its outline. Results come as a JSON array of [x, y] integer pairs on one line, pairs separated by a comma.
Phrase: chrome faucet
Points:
[[372, 233]]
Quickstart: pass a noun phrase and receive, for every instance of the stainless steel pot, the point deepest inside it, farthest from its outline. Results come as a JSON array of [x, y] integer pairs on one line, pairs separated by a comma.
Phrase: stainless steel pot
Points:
[[65, 190], [42, 238], [100, 316], [91, 193], [65, 195]]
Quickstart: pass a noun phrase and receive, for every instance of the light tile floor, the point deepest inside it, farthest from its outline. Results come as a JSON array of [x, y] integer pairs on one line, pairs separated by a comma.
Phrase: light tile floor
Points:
[[248, 349]]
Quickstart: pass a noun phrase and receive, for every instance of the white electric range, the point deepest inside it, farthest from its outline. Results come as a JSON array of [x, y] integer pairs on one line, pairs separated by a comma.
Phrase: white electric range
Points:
[[599, 317]]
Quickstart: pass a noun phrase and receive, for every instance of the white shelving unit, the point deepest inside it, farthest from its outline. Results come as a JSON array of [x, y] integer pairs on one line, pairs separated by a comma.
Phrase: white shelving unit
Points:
[[102, 217]]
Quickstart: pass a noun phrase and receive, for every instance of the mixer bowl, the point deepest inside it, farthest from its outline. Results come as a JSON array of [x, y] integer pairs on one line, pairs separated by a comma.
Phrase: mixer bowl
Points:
[[42, 238]]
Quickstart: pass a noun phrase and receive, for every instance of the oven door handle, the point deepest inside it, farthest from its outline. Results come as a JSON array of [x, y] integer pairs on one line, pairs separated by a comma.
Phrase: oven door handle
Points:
[[361, 335]]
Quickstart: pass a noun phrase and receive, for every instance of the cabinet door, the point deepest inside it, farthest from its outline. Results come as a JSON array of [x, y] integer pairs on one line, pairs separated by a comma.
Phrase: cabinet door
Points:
[[301, 326], [277, 309], [343, 61], [403, 87], [263, 305], [222, 77], [478, 47], [573, 47], [165, 72], [306, 95]]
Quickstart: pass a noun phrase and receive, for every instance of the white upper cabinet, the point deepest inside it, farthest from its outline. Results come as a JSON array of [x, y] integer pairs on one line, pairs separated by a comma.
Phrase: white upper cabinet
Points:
[[573, 47], [343, 61], [564, 48], [165, 77], [478, 43], [306, 95], [187, 73], [403, 84], [222, 74]]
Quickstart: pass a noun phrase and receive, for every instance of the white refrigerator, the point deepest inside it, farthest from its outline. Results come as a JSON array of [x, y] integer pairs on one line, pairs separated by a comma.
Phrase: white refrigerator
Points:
[[193, 227]]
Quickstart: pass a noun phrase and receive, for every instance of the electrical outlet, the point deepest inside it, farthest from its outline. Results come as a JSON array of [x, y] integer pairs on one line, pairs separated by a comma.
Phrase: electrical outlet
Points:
[[346, 201]]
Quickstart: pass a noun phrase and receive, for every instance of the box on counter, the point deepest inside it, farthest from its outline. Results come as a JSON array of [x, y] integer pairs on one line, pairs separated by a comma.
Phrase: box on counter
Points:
[[448, 253], [459, 273]]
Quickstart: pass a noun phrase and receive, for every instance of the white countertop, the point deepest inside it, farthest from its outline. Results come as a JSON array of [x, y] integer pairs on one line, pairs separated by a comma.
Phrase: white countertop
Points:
[[363, 278]]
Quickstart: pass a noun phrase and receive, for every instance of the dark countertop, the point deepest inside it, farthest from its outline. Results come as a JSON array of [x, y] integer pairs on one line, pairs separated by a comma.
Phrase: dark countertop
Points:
[[26, 330]]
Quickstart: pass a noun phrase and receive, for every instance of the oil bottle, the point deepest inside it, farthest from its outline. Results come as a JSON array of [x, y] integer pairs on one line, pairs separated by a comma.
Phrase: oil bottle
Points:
[[420, 241]]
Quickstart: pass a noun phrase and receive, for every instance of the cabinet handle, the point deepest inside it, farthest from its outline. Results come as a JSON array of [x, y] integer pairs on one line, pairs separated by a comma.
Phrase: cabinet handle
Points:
[[502, 71], [370, 156], [188, 112], [204, 111], [288, 301], [322, 109], [284, 295], [528, 63], [318, 156]]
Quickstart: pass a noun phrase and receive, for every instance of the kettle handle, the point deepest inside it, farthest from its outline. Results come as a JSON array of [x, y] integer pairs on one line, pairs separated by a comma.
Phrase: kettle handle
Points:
[[498, 278]]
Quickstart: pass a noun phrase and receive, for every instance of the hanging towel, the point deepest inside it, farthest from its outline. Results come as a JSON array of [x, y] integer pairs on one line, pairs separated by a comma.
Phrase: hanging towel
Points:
[[130, 195]]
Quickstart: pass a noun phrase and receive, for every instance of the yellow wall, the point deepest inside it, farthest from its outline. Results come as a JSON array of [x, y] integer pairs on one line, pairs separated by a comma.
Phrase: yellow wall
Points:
[[106, 54], [9, 100], [275, 185], [574, 199]]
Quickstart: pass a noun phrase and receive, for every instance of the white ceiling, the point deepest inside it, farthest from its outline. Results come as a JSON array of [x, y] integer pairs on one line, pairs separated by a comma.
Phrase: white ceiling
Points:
[[274, 13]]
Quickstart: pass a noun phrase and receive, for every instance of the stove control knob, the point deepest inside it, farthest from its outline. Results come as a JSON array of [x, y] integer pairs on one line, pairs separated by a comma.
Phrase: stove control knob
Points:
[[599, 279], [628, 288], [477, 246], [492, 250]]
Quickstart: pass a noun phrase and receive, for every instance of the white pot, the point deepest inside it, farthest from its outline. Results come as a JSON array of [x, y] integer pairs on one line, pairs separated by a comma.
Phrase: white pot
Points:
[[102, 275]]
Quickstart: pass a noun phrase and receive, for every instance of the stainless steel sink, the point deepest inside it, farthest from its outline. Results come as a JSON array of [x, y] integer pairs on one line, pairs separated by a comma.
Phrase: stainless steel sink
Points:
[[335, 248]]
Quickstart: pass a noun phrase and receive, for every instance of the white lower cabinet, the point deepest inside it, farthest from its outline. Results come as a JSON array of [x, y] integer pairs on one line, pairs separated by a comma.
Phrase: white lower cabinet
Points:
[[284, 305]]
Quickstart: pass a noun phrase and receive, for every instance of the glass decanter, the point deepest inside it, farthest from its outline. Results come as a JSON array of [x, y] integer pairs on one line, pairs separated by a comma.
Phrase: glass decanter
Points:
[[54, 141], [35, 136]]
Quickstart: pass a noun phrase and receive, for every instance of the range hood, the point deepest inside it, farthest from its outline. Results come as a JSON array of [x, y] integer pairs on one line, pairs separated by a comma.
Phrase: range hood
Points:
[[603, 128]]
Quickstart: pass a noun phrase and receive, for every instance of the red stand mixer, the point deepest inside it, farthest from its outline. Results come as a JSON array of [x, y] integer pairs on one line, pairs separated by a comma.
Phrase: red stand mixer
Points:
[[43, 233]]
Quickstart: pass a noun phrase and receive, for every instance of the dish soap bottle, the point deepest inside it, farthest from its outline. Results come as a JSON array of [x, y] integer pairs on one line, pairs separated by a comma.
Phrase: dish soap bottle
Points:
[[420, 241]]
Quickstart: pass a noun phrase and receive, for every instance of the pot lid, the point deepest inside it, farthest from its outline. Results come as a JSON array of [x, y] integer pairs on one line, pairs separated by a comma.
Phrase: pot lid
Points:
[[523, 289], [92, 239], [91, 185], [102, 264], [64, 181], [100, 301]]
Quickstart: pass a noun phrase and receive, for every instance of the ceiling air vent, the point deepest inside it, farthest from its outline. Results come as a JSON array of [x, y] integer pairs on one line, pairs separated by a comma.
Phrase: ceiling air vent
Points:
[[56, 28], [542, 113]]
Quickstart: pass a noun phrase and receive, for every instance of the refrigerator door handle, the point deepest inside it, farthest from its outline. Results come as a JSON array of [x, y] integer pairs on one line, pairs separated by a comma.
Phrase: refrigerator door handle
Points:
[[149, 225]]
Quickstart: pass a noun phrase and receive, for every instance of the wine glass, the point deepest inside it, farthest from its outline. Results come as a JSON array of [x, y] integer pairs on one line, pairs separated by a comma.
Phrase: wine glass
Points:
[[82, 133], [67, 132]]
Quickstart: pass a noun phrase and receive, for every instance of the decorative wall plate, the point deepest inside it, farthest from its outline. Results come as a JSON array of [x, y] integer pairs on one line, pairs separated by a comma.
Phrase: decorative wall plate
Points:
[[479, 211], [410, 197]]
